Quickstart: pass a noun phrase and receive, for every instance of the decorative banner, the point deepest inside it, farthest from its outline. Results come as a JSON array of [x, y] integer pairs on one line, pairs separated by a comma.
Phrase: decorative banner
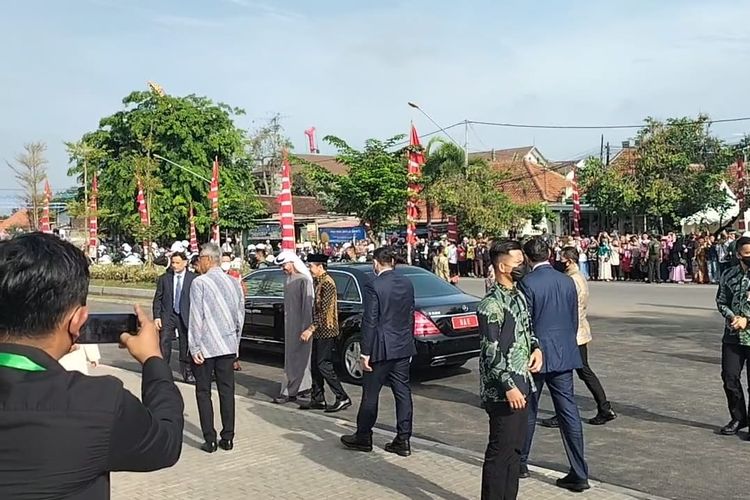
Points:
[[576, 205], [193, 236], [310, 133], [93, 221], [344, 234], [416, 160], [452, 228], [44, 225], [742, 195], [142, 206], [213, 195], [286, 209]]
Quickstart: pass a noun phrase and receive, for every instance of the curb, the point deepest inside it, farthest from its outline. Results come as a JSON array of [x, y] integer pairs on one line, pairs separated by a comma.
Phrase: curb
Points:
[[110, 291], [426, 442]]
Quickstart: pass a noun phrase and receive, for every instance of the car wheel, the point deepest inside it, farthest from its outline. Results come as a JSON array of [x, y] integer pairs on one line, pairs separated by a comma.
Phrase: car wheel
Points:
[[350, 360]]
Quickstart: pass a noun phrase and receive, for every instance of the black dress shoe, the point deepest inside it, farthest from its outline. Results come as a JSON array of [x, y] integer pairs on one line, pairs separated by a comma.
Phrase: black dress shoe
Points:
[[339, 405], [733, 427], [226, 444], [524, 472], [551, 422], [400, 448], [573, 483], [209, 446], [313, 405], [603, 418], [189, 378], [354, 442]]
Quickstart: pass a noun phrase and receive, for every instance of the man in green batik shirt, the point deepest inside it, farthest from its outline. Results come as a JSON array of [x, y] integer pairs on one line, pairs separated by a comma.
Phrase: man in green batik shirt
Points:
[[733, 302], [509, 355]]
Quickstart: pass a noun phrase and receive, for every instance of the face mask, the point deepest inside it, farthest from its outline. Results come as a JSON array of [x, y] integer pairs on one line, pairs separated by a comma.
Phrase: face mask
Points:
[[225, 266], [746, 261], [518, 272]]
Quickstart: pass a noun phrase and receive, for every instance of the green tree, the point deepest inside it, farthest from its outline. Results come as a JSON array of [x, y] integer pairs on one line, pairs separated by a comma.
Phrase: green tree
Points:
[[265, 148], [374, 188], [612, 191], [190, 131]]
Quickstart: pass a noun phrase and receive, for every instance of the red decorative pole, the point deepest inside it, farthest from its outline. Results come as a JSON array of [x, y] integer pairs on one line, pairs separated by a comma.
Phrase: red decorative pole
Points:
[[286, 209], [416, 160]]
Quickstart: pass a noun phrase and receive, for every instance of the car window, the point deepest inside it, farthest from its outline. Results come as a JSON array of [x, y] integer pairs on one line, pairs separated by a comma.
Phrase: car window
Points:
[[346, 287], [273, 284], [426, 284], [253, 284]]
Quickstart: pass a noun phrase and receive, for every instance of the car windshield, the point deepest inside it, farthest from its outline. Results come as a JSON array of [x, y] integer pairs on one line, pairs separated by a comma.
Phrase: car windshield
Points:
[[426, 284]]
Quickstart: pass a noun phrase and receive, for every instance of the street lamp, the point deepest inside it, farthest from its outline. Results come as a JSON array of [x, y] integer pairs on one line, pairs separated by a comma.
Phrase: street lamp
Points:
[[465, 147]]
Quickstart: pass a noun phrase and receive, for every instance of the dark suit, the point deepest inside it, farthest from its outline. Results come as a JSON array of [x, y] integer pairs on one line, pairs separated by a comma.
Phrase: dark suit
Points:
[[172, 320], [553, 302], [62, 432], [387, 337]]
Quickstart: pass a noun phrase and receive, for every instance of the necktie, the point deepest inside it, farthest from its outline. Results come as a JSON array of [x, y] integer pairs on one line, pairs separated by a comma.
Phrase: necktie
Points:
[[177, 294]]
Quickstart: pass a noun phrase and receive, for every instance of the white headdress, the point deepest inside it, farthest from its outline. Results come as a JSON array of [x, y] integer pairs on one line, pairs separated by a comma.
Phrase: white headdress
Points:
[[289, 256]]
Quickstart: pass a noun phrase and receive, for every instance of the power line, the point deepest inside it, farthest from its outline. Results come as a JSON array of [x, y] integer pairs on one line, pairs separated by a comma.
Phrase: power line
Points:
[[602, 127]]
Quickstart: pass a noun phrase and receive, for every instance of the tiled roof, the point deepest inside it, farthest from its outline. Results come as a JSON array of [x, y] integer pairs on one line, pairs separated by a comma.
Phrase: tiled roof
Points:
[[528, 182], [503, 155], [303, 205], [328, 162], [19, 219]]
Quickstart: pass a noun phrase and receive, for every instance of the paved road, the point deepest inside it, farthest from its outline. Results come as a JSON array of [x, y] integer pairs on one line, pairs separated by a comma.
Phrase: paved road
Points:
[[656, 349]]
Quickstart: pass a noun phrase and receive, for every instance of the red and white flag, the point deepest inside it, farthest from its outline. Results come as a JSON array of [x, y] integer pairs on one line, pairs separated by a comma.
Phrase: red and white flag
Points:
[[288, 239], [213, 195], [193, 236], [416, 160], [576, 205], [44, 225], [93, 220], [742, 190], [142, 206]]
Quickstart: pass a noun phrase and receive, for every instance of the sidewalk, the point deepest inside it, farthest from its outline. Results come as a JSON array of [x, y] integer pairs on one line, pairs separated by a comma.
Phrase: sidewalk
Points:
[[285, 453]]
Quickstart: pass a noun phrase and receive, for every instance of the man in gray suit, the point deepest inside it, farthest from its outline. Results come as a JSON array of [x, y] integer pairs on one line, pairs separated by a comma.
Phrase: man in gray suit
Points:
[[553, 303]]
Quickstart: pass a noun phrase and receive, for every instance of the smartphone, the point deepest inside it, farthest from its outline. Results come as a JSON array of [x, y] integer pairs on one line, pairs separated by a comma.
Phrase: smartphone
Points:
[[106, 328]]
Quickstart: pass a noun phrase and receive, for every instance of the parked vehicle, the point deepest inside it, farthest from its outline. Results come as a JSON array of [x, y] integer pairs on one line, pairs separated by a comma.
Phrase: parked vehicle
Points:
[[446, 328]]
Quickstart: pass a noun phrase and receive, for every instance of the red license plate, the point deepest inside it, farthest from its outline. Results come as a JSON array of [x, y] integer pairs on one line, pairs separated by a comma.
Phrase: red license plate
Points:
[[464, 322]]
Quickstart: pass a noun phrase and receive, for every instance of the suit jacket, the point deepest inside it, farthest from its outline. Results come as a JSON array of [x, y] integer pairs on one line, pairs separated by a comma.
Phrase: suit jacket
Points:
[[553, 303], [388, 320], [164, 296], [64, 432], [582, 289]]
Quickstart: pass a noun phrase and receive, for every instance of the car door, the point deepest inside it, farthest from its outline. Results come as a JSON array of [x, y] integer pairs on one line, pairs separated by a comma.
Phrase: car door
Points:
[[348, 294], [264, 301]]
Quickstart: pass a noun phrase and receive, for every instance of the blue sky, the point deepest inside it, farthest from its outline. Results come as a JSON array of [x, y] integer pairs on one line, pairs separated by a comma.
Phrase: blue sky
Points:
[[349, 67]]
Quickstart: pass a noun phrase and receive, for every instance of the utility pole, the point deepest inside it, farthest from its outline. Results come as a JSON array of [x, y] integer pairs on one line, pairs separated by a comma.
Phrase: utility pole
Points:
[[466, 146], [601, 150], [607, 153]]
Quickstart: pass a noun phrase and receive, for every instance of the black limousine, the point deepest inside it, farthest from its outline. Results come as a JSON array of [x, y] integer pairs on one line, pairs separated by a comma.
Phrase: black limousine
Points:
[[445, 321]]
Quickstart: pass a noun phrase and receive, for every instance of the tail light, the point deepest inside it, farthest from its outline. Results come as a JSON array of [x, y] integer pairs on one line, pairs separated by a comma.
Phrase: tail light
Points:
[[424, 326]]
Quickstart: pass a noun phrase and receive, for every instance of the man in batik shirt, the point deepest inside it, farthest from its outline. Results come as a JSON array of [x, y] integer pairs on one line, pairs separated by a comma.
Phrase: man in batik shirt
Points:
[[509, 355], [733, 302]]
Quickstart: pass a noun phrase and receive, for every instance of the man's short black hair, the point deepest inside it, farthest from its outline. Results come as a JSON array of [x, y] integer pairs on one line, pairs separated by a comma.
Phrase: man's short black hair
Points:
[[570, 253], [227, 254], [500, 248], [384, 256], [181, 255], [42, 278], [741, 242], [537, 250]]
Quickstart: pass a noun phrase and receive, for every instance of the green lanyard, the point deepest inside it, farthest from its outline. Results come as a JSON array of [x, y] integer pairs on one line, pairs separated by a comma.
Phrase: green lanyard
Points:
[[19, 362]]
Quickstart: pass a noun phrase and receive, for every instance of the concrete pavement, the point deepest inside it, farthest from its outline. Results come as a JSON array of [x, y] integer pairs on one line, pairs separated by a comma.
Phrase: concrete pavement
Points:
[[285, 453]]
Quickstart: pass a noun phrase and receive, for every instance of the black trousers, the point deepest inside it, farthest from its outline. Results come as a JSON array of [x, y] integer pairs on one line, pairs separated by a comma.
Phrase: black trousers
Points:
[[394, 372], [594, 269], [322, 370], [589, 378], [171, 322], [220, 367], [734, 357], [502, 459]]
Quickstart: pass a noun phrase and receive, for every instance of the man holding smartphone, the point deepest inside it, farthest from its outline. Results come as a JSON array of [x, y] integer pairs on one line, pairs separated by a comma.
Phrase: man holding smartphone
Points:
[[63, 432]]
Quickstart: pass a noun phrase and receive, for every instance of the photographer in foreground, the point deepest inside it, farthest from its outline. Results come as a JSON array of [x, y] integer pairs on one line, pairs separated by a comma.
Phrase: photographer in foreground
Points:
[[62, 432]]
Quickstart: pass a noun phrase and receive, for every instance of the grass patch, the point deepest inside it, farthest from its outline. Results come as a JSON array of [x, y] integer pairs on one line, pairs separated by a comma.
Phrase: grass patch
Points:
[[121, 284]]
